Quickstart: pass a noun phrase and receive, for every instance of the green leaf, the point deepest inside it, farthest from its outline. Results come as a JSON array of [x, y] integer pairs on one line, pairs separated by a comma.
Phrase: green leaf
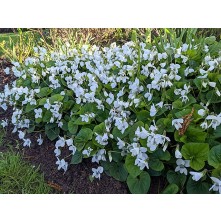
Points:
[[31, 129], [177, 104], [180, 138], [170, 94], [80, 122], [143, 116], [42, 101], [65, 125], [217, 172], [68, 105], [178, 179], [75, 108], [44, 92], [171, 189], [182, 113], [156, 164], [140, 184], [99, 129], [118, 171], [117, 133], [88, 108], [47, 116], [38, 120], [101, 115], [197, 153], [84, 135], [30, 107], [52, 133], [154, 172], [198, 83], [212, 97], [56, 97], [210, 40], [72, 127], [194, 187], [217, 132], [132, 169], [50, 126], [161, 155], [195, 134], [214, 158], [76, 158]]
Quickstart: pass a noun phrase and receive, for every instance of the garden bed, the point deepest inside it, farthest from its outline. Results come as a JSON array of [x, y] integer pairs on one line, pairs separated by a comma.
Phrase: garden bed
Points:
[[146, 114], [76, 179]]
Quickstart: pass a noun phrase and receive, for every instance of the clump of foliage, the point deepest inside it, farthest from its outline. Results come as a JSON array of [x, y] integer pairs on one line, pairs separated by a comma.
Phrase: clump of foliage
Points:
[[138, 110]]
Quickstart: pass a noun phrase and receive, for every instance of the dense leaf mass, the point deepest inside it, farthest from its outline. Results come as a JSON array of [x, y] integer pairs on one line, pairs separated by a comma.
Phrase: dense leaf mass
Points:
[[135, 109]]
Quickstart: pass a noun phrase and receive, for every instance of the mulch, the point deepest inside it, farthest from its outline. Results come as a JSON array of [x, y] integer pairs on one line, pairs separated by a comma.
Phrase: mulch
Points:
[[76, 179]]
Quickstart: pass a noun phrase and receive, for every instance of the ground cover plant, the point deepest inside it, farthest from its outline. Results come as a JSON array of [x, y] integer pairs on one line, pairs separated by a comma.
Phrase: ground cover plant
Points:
[[137, 110]]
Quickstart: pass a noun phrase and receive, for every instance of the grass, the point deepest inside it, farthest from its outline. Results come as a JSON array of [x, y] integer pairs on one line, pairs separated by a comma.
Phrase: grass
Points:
[[18, 46], [17, 176]]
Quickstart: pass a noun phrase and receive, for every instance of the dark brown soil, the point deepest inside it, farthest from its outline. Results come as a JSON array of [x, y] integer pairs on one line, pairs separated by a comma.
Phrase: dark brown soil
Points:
[[6, 30], [76, 178]]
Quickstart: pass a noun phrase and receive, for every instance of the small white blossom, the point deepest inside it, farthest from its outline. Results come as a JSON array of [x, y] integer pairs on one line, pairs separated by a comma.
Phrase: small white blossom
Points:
[[57, 152], [153, 110], [217, 185], [87, 151], [60, 142], [204, 125], [217, 92], [212, 84], [69, 142], [21, 134], [181, 166], [178, 154], [60, 124], [40, 140], [103, 140], [38, 113], [201, 112], [7, 70], [97, 172], [72, 148], [120, 143], [62, 164], [100, 155], [85, 118], [27, 142], [196, 176], [177, 123], [4, 123], [141, 163]]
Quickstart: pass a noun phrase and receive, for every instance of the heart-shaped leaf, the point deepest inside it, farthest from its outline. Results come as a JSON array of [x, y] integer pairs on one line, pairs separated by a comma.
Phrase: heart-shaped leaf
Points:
[[214, 158], [76, 158], [194, 187], [178, 179], [197, 153], [118, 171], [171, 189], [140, 184], [132, 169]]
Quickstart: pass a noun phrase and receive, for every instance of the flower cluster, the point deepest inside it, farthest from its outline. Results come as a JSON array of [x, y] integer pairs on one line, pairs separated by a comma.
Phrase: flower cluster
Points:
[[120, 101]]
